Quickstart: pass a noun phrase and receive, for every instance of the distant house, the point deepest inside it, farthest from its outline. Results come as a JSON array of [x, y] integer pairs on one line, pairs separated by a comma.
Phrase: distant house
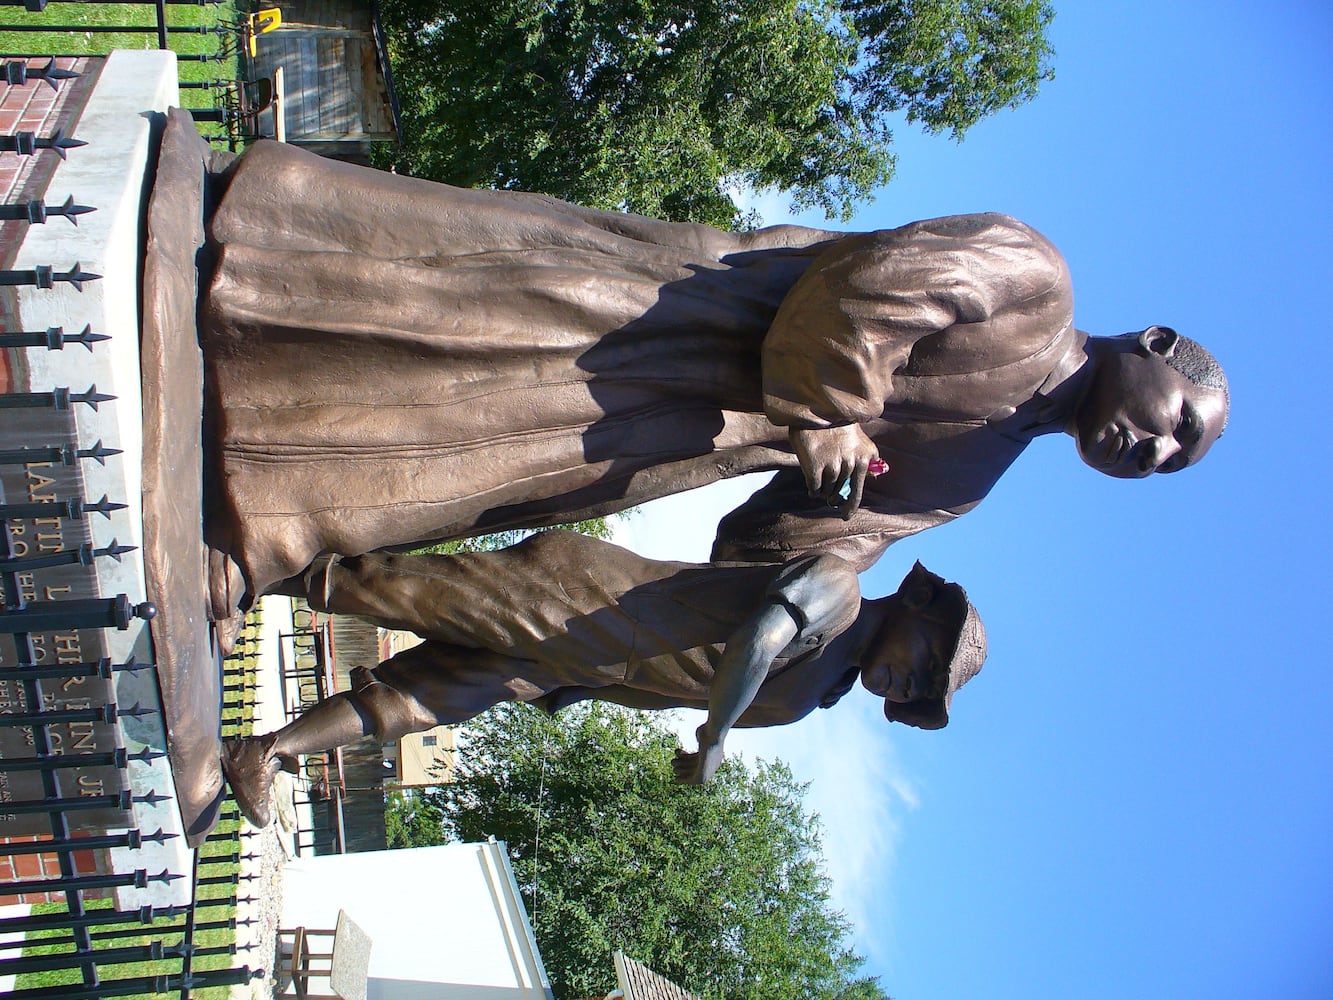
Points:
[[420, 759], [338, 95], [426, 759], [447, 922]]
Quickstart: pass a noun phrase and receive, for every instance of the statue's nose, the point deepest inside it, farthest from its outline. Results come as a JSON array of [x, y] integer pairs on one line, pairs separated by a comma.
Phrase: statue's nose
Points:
[[1157, 450]]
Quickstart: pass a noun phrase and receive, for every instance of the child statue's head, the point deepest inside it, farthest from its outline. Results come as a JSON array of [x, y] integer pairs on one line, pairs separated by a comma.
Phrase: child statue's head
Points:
[[929, 643]]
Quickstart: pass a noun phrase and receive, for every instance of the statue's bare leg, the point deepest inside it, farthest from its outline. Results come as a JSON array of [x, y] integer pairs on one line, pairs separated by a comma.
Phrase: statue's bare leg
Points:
[[429, 685], [252, 762]]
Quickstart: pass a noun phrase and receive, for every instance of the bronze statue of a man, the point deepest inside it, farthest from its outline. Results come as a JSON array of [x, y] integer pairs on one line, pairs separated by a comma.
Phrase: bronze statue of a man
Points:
[[561, 617], [391, 361]]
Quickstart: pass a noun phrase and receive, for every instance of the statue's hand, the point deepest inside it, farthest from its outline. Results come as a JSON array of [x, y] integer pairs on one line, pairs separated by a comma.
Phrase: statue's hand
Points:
[[696, 768], [831, 457]]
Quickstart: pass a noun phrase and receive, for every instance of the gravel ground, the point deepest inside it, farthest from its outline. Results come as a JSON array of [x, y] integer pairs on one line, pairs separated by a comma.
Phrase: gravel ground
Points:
[[261, 880]]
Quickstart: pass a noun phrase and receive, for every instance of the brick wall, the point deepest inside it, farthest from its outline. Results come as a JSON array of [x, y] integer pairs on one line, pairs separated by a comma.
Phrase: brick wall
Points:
[[35, 107], [39, 866]]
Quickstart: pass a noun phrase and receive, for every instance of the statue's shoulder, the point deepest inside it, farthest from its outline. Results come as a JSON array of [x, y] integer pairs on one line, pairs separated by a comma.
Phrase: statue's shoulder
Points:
[[939, 241], [981, 231], [1006, 259], [821, 586]]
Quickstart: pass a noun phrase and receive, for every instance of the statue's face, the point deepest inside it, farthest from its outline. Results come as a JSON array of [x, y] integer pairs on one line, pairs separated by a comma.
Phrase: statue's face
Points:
[[906, 659], [1141, 416]]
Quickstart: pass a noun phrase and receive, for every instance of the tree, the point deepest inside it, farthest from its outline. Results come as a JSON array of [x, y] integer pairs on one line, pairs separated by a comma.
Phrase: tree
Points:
[[660, 106], [949, 63], [720, 888], [597, 527]]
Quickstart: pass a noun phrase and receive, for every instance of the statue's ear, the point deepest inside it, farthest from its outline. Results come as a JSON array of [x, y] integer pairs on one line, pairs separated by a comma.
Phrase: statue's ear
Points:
[[918, 590], [1159, 340]]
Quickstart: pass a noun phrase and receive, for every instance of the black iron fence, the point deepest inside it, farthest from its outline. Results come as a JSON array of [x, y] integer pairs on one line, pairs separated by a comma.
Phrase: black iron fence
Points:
[[225, 33], [63, 770], [212, 40], [306, 676]]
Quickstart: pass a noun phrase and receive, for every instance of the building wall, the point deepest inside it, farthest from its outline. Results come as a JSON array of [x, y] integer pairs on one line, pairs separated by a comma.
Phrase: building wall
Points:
[[427, 758], [333, 86], [43, 866], [446, 922], [36, 108], [356, 644]]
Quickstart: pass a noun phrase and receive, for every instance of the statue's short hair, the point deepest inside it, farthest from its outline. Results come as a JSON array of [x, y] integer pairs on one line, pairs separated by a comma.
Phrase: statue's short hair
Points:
[[1197, 364]]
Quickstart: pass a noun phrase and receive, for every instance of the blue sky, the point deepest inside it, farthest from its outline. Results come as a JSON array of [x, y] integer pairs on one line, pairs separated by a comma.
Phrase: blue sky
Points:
[[1135, 797]]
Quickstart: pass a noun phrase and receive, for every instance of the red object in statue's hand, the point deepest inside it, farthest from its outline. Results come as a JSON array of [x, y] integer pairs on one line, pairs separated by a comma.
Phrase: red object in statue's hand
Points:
[[877, 467]]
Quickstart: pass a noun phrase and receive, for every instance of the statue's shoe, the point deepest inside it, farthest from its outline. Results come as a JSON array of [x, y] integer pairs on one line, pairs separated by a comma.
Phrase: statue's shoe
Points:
[[250, 766], [226, 632], [226, 599], [554, 701]]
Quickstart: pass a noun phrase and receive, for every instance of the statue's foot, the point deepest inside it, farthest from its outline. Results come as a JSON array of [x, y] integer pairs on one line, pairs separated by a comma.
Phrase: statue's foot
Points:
[[226, 597], [554, 701], [250, 766], [226, 632], [226, 586]]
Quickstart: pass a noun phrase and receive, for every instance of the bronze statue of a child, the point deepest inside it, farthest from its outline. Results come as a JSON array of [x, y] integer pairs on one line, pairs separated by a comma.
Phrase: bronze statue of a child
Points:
[[562, 617]]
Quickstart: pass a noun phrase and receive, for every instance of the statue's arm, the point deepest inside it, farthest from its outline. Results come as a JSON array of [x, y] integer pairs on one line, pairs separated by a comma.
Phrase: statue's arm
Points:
[[763, 712], [781, 520], [749, 653], [854, 318], [816, 597]]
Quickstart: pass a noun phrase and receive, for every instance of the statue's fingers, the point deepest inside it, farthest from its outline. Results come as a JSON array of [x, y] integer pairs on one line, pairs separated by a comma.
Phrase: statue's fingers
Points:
[[853, 501], [813, 476], [843, 484], [826, 486], [685, 765], [835, 482]]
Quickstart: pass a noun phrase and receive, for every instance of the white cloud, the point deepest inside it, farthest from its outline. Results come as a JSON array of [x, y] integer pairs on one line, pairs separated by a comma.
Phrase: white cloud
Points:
[[859, 790], [681, 527], [846, 754], [774, 207]]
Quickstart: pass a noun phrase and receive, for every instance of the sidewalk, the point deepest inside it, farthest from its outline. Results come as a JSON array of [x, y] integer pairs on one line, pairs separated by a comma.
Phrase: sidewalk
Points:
[[264, 852]]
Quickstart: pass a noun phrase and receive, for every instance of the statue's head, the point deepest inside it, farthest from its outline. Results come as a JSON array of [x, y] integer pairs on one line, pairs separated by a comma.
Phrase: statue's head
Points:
[[1155, 402], [929, 642]]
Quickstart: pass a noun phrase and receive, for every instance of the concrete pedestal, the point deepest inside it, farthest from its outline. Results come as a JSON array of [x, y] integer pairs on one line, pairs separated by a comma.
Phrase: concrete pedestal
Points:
[[122, 124]]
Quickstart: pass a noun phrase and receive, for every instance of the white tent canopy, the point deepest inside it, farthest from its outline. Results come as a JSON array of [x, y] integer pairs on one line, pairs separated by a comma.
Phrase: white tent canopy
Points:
[[446, 922]]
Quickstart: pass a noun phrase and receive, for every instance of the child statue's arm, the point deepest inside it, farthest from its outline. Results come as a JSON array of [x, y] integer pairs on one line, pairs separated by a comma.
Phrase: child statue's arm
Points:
[[744, 666]]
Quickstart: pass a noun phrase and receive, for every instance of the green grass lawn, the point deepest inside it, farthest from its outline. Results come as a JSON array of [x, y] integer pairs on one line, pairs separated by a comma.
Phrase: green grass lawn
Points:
[[167, 931], [79, 42]]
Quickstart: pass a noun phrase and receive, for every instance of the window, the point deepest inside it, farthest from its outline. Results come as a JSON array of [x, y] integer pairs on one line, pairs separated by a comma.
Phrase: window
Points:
[[428, 741]]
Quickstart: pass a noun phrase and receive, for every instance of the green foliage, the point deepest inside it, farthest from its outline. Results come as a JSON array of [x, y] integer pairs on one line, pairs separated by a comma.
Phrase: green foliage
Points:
[[950, 63], [657, 106], [719, 888], [597, 527], [406, 825]]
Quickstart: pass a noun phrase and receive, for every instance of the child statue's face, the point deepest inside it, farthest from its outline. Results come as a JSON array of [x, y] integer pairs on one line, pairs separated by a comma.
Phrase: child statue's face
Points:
[[906, 659]]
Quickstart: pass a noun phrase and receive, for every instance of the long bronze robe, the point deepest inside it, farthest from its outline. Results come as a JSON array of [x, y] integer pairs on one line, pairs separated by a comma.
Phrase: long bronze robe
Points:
[[390, 361]]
